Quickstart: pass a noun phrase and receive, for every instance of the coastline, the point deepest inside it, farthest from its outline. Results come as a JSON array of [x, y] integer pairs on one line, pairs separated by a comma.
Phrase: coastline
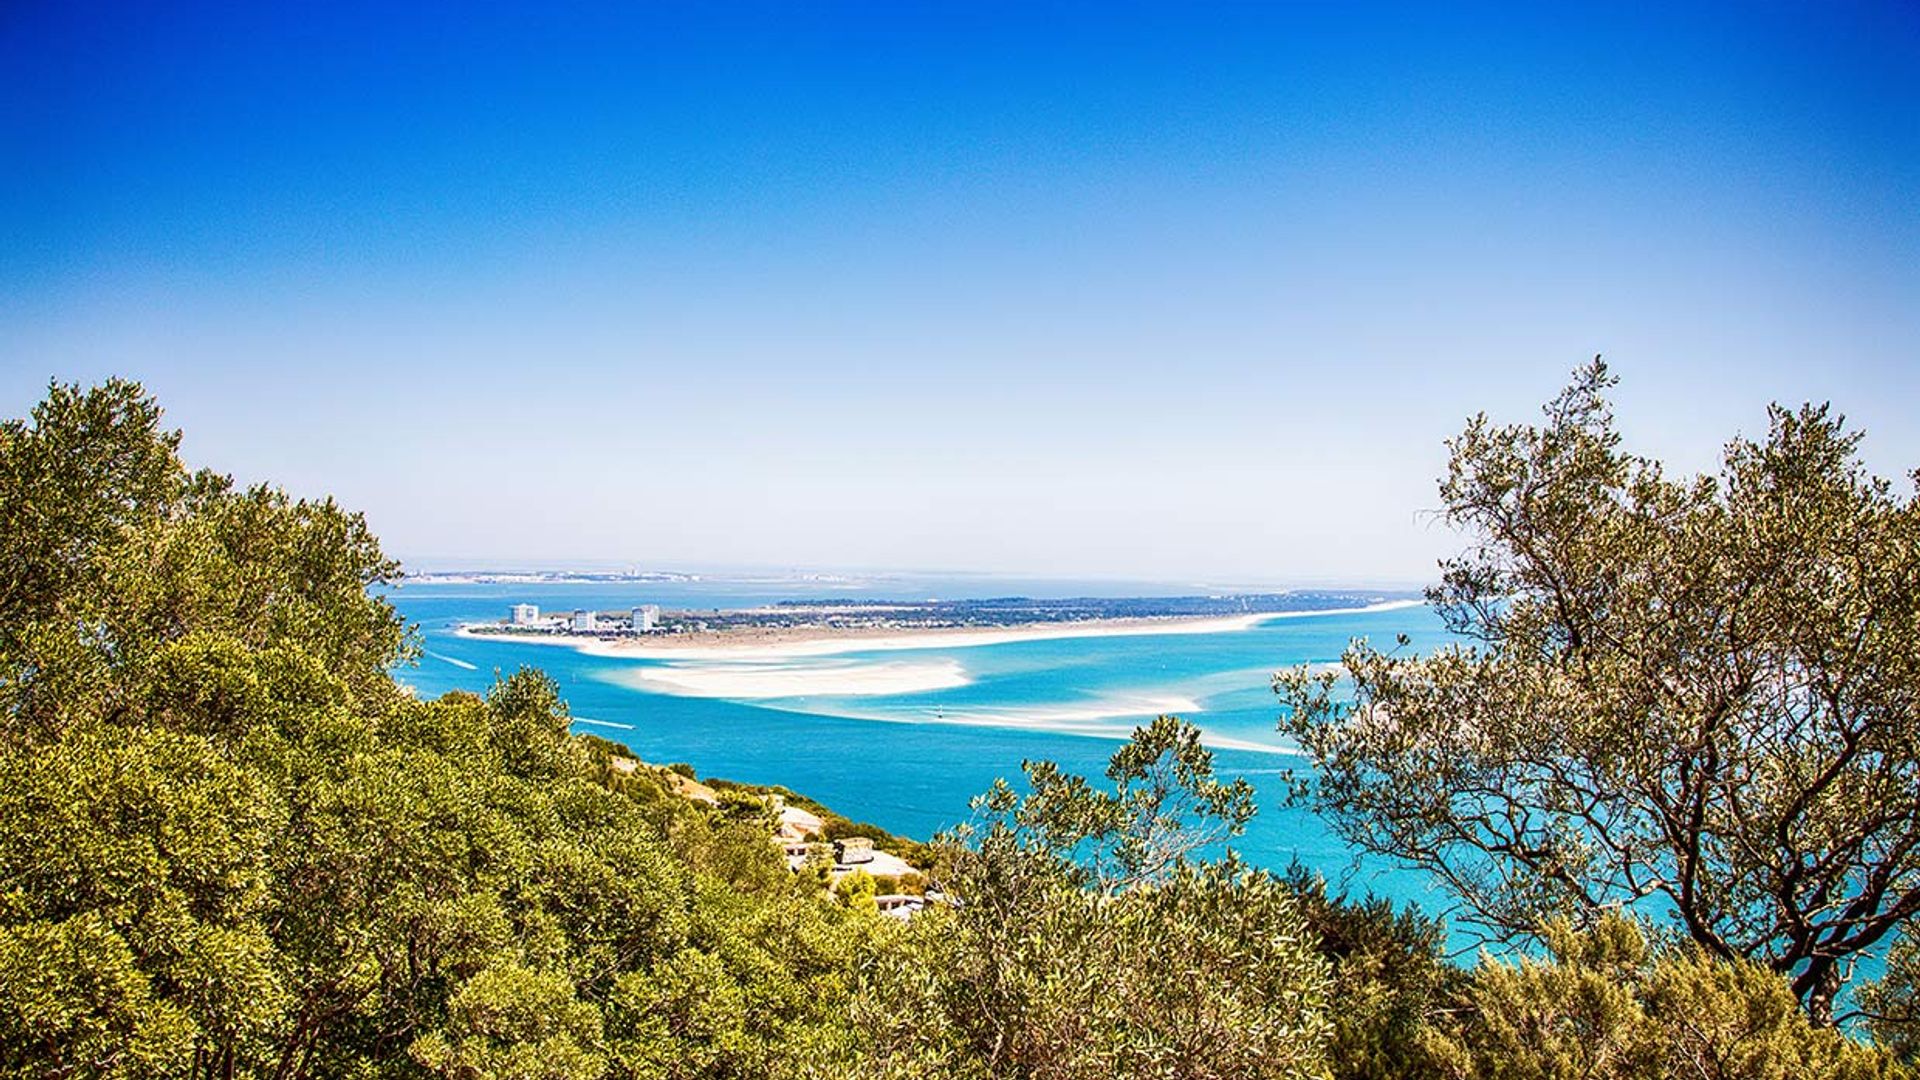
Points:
[[770, 643]]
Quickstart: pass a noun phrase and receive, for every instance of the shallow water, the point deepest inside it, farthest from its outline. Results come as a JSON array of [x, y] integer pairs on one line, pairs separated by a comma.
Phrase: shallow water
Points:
[[905, 737]]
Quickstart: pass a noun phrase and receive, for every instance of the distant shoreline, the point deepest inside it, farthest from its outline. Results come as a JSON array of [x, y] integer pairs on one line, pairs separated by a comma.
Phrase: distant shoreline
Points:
[[775, 642]]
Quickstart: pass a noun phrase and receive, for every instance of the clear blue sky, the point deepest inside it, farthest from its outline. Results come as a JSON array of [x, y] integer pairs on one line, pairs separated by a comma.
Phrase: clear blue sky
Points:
[[1119, 289]]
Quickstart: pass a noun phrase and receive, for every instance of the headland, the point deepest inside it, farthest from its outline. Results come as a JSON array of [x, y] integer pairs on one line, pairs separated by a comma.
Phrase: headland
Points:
[[803, 628]]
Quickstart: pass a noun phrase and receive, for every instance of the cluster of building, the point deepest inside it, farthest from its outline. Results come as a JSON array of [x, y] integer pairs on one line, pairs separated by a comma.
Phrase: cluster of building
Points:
[[645, 619], [797, 832]]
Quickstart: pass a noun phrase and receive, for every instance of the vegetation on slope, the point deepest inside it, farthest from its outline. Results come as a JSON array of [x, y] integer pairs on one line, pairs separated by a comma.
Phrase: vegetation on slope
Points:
[[232, 846]]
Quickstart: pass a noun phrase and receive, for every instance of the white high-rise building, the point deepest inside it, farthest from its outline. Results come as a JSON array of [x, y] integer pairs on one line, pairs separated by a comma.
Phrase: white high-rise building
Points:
[[526, 614], [584, 622], [646, 617]]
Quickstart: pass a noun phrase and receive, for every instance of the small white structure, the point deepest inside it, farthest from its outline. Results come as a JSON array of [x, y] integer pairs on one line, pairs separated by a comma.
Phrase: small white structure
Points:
[[796, 832], [852, 851], [877, 863], [584, 622], [900, 906], [526, 614], [797, 824], [645, 618]]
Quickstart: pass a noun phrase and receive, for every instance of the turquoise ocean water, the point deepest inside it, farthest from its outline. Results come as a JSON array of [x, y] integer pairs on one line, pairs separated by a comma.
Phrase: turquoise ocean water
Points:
[[905, 737]]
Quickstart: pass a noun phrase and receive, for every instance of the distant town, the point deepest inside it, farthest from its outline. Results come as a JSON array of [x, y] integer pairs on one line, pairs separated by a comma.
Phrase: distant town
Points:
[[878, 614], [528, 619]]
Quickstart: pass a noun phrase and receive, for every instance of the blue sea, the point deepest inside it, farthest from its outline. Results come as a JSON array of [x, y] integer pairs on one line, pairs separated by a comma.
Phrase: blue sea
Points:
[[905, 737]]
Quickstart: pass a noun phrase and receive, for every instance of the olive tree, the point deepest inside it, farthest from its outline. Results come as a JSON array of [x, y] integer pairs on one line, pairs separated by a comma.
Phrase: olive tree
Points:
[[1091, 936], [1695, 698], [1890, 1005]]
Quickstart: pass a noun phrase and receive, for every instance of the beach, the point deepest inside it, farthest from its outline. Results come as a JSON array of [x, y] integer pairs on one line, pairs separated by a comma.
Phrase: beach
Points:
[[779, 642]]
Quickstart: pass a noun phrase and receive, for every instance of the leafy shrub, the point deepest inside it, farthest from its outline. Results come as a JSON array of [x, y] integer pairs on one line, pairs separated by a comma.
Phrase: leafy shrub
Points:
[[1389, 978], [856, 890], [1891, 1005], [1085, 944], [1605, 1005]]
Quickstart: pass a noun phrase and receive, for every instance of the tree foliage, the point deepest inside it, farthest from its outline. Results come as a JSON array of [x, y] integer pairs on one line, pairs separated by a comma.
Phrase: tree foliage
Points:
[[232, 845], [1698, 698], [1605, 1005], [1890, 1005], [1087, 941], [1390, 979]]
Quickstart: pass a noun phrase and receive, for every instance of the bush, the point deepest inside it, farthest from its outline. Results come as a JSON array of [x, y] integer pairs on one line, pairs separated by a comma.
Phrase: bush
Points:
[[1891, 1005], [856, 890], [1389, 978], [839, 828], [1085, 945], [1607, 1006], [602, 749]]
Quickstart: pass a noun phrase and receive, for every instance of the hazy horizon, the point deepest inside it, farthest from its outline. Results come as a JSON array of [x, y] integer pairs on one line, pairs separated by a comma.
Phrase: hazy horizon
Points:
[[420, 565], [1079, 291]]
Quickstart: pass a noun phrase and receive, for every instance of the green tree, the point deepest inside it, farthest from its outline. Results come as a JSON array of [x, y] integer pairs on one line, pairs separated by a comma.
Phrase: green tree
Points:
[[75, 1002], [857, 890], [1696, 696], [1086, 941], [1390, 979], [115, 555], [1890, 1005], [232, 846], [1605, 1005], [513, 1023]]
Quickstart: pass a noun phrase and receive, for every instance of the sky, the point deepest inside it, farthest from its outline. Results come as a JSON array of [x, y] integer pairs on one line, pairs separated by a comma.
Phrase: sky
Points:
[[1169, 291]]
